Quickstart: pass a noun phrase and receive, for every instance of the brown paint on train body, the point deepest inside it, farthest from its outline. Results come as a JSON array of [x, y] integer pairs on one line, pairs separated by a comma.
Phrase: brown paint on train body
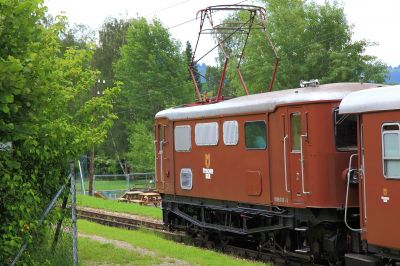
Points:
[[258, 176], [379, 196]]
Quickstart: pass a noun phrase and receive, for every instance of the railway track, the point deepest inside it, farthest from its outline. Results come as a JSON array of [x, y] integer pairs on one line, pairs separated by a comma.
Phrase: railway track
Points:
[[113, 219], [134, 222], [131, 222]]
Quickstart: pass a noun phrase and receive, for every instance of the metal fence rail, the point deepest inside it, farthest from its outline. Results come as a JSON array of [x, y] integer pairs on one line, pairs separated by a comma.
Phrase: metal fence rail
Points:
[[71, 180], [117, 182]]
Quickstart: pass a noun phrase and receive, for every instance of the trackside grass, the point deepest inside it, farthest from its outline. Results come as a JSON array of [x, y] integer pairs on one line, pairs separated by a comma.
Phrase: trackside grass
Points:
[[92, 252], [115, 206], [162, 247]]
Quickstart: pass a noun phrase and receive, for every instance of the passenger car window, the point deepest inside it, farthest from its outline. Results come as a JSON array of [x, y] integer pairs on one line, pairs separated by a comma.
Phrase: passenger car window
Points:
[[295, 131], [255, 134], [391, 150], [345, 131], [206, 134], [182, 138]]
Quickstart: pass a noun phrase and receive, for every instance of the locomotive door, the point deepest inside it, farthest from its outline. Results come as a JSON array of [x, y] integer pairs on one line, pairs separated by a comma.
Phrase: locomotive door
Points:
[[161, 155], [295, 143]]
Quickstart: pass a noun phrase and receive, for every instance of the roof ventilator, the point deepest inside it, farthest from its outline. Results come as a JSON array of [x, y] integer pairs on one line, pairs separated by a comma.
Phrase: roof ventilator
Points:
[[310, 83]]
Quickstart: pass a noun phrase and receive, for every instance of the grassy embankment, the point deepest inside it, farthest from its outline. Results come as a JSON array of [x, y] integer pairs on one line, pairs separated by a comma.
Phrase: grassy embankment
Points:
[[149, 241], [92, 252], [115, 206]]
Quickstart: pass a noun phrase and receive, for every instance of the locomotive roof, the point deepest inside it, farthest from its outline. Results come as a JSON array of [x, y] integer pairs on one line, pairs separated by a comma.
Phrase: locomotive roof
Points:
[[265, 102], [375, 99]]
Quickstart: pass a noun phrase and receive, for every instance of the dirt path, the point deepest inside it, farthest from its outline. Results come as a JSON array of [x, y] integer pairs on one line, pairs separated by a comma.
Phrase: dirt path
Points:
[[166, 261]]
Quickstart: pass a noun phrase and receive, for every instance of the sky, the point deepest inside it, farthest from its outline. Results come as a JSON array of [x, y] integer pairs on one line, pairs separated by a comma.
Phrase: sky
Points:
[[376, 21]]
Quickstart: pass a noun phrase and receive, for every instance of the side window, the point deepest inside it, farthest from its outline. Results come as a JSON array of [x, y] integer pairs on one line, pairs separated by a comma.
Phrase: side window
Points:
[[231, 132], [345, 131], [295, 131], [206, 134], [391, 150], [182, 138], [255, 134]]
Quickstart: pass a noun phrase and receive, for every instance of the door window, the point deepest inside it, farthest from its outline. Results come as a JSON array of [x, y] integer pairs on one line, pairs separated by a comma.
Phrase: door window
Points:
[[391, 150], [295, 131]]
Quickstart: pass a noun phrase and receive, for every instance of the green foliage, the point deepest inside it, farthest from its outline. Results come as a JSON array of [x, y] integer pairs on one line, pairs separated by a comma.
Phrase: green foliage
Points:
[[112, 36], [213, 76], [188, 56], [46, 112], [141, 148], [105, 164], [155, 76], [79, 37], [152, 70], [43, 254], [313, 41]]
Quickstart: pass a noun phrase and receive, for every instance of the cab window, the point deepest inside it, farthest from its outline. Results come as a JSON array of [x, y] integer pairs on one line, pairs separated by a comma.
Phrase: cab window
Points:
[[345, 131], [182, 138], [206, 134], [255, 135]]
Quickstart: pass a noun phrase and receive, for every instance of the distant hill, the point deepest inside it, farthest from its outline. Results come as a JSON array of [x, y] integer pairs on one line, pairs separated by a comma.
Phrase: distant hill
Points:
[[394, 75]]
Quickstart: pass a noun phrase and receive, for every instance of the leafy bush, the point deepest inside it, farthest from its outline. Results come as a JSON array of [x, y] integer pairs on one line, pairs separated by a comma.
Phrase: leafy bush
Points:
[[47, 114]]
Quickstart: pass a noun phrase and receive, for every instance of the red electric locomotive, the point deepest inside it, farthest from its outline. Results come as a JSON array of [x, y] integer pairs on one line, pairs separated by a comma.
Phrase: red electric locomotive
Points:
[[269, 167], [378, 170]]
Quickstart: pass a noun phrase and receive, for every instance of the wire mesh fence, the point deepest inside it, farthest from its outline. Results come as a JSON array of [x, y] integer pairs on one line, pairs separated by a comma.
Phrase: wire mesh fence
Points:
[[113, 185]]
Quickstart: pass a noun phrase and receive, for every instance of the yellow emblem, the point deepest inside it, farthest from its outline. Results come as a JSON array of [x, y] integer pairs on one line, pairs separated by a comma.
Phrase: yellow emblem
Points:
[[207, 160], [385, 192]]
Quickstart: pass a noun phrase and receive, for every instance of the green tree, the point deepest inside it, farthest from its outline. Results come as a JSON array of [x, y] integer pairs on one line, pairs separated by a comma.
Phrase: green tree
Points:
[[79, 36], [152, 70], [188, 55], [213, 76], [141, 147], [154, 76], [313, 41], [47, 114], [112, 36]]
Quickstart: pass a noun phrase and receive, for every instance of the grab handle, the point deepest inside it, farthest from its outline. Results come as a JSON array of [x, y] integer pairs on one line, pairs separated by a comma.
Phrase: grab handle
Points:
[[302, 163], [285, 163]]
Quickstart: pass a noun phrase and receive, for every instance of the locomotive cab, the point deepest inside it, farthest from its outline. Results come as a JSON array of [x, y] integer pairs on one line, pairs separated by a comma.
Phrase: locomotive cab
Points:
[[267, 167]]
